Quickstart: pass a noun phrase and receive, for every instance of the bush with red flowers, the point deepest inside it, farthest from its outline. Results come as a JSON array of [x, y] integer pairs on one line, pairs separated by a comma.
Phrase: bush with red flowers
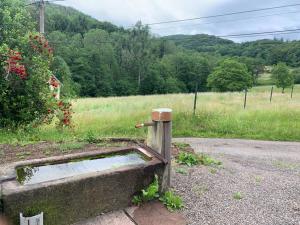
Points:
[[26, 95]]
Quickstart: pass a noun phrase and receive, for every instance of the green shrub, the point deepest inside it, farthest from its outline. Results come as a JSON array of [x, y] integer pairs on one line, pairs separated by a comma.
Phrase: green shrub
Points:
[[171, 201], [188, 159], [208, 161], [148, 194]]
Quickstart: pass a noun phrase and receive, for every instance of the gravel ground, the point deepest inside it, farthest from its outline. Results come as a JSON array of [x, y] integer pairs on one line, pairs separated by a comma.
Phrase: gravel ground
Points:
[[265, 174]]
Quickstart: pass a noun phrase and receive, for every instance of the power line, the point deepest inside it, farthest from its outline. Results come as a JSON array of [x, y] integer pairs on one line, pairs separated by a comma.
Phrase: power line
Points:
[[226, 21], [259, 33], [262, 35], [221, 15]]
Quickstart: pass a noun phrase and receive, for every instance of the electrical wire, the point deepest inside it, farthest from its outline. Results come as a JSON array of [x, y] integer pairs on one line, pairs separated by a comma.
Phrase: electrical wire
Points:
[[222, 15], [225, 21]]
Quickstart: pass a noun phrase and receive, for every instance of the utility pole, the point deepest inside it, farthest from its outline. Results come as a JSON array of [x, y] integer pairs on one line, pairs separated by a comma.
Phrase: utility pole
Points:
[[41, 5], [42, 16]]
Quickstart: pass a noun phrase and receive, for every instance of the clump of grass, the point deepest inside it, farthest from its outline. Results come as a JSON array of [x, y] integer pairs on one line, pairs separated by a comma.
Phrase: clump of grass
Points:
[[191, 159], [23, 155], [171, 201], [237, 196], [181, 146], [213, 171], [148, 194], [47, 152], [69, 146], [109, 144], [208, 161], [258, 179], [181, 171], [91, 138], [285, 165], [188, 159]]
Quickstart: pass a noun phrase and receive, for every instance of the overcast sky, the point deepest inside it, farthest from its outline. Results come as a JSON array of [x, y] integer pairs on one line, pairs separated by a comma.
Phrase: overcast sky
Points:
[[128, 12]]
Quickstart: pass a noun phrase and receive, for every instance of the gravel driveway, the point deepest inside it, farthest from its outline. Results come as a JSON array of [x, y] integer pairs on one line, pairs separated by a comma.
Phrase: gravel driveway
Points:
[[258, 183]]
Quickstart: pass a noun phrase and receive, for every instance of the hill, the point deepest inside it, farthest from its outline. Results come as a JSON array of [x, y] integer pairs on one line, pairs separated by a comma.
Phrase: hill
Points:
[[200, 42], [270, 51], [70, 20]]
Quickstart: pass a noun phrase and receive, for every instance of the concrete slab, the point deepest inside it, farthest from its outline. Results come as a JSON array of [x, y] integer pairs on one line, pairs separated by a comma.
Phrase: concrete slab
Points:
[[114, 218], [155, 213]]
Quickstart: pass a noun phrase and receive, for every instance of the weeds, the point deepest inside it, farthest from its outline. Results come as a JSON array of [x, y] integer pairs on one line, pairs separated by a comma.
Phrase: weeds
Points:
[[47, 152], [213, 170], [181, 146], [181, 171], [238, 196], [148, 194], [258, 179], [23, 155], [91, 138], [109, 144], [188, 159], [208, 161], [68, 146], [171, 201]]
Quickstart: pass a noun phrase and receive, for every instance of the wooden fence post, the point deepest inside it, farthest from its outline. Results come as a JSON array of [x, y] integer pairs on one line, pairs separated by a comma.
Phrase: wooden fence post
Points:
[[245, 100], [195, 99], [292, 91], [161, 140], [271, 96]]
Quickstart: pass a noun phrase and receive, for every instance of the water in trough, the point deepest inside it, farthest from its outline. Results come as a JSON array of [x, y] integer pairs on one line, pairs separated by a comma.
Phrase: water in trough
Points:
[[37, 174]]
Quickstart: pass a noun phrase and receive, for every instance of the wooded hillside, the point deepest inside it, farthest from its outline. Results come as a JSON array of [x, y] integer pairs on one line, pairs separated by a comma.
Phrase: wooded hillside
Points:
[[96, 58]]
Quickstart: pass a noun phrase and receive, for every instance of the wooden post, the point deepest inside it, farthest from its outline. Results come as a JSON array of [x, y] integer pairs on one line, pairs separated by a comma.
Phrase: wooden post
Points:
[[161, 140], [245, 100], [42, 16], [271, 96], [292, 91], [195, 99]]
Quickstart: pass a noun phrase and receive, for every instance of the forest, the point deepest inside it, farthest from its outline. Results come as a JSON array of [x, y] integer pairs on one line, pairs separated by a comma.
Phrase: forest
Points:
[[93, 58]]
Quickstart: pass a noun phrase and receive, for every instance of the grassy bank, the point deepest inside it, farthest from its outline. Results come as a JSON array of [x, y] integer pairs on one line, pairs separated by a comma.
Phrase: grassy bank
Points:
[[218, 115]]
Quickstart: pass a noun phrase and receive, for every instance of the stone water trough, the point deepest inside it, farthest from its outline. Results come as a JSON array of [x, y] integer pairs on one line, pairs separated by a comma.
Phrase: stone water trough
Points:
[[71, 188]]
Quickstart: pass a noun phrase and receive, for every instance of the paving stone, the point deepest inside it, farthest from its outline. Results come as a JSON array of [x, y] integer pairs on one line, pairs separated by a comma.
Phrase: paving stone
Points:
[[155, 213], [114, 218]]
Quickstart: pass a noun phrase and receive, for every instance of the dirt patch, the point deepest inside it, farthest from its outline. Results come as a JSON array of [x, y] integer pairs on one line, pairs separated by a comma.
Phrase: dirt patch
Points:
[[15, 153]]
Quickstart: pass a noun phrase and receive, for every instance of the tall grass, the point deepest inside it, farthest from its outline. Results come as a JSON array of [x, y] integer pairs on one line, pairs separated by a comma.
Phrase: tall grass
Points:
[[217, 115]]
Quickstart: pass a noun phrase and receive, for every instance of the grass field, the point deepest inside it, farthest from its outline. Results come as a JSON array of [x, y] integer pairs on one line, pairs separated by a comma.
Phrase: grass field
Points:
[[218, 115]]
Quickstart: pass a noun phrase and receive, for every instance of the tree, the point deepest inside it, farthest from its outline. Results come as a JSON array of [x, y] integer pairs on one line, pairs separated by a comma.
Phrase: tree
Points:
[[230, 75], [282, 75], [296, 74], [140, 49], [62, 71], [255, 66]]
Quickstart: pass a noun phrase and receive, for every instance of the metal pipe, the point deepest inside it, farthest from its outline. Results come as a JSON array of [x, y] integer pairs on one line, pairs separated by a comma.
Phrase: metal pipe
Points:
[[146, 124]]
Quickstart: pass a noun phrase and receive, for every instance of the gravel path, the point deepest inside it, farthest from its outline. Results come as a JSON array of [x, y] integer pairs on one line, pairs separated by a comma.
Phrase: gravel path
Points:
[[265, 174]]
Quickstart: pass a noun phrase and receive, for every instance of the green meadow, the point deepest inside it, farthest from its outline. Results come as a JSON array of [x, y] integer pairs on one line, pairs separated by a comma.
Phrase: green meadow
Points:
[[217, 115]]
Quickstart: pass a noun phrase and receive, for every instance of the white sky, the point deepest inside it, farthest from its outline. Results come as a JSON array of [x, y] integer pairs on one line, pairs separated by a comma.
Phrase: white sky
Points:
[[128, 12]]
